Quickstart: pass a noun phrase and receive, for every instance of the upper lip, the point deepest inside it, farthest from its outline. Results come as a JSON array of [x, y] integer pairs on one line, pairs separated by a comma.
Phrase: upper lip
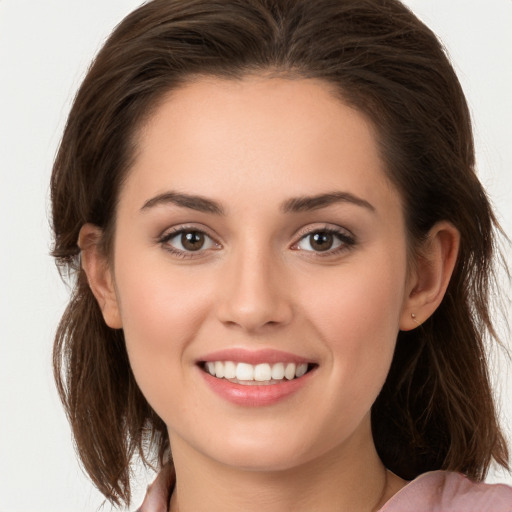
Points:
[[242, 355]]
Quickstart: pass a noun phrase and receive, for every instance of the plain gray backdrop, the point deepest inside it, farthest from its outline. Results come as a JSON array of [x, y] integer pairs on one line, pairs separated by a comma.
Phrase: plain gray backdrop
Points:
[[45, 48]]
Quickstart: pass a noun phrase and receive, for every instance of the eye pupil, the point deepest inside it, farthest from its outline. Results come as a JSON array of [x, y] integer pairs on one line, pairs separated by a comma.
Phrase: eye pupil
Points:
[[192, 240], [321, 241]]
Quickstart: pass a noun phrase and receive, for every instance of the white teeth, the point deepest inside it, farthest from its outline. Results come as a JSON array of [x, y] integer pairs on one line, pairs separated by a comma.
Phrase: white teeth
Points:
[[229, 370], [263, 372], [244, 371], [210, 366], [219, 369], [301, 370], [278, 371], [289, 371]]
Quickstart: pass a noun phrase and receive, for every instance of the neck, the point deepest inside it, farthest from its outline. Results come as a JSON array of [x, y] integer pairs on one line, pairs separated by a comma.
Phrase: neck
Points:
[[351, 477]]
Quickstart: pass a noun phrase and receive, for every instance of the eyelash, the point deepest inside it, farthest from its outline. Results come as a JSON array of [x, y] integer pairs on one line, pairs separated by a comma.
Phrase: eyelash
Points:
[[175, 232], [347, 241]]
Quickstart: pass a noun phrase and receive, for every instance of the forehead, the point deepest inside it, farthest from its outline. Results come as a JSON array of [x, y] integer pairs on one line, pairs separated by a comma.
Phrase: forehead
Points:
[[230, 137]]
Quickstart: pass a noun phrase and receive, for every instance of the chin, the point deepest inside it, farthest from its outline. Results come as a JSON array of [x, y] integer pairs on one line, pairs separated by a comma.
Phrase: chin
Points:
[[276, 448], [264, 459]]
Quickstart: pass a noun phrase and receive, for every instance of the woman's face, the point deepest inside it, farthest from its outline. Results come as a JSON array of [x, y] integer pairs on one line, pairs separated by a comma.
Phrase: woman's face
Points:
[[256, 235]]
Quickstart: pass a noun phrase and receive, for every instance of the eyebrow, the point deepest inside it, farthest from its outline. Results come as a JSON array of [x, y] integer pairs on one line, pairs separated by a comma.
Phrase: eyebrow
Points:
[[293, 205], [308, 203], [199, 203]]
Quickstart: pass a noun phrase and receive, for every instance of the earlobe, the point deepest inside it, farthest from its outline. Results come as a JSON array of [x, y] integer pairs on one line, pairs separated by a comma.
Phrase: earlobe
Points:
[[431, 275], [99, 274]]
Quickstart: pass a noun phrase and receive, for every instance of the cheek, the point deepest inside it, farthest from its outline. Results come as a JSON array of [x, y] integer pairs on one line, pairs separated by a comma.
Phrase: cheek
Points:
[[159, 300], [357, 317], [161, 314], [155, 310]]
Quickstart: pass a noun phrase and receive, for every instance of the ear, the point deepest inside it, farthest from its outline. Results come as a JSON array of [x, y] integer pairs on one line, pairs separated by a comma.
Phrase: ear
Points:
[[99, 274], [430, 274]]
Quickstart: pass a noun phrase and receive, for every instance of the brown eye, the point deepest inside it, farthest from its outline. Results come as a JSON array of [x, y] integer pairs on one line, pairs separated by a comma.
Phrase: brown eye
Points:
[[188, 241], [192, 240], [321, 241], [328, 241]]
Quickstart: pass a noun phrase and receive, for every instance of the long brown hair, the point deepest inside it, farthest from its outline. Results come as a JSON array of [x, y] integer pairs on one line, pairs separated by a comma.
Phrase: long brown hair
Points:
[[436, 409]]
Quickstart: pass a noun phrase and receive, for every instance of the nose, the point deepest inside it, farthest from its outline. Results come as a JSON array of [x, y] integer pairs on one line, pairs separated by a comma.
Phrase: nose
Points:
[[254, 293]]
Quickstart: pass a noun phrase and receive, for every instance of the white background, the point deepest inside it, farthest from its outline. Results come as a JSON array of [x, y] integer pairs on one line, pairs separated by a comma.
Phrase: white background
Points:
[[45, 47]]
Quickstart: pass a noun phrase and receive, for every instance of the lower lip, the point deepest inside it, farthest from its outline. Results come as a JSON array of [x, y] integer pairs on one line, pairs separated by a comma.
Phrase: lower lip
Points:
[[254, 395]]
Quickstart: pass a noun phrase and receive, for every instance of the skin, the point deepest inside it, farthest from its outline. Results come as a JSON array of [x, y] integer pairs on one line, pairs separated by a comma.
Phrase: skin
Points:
[[251, 146]]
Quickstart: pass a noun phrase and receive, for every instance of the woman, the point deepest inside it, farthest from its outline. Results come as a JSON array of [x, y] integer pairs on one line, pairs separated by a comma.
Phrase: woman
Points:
[[283, 262]]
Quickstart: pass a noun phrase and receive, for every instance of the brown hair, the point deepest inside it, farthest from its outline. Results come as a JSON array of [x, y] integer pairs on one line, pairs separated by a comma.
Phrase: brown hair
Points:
[[436, 409]]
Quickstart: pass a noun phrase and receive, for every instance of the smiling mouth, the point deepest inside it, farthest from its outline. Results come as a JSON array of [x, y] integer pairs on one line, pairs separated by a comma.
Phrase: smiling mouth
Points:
[[258, 374]]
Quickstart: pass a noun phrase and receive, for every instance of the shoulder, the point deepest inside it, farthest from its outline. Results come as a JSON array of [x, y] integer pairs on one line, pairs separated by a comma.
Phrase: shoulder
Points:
[[159, 492], [444, 491]]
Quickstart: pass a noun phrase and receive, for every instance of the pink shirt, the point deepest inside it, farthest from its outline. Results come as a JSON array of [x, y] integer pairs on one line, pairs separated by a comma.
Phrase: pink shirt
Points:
[[443, 491], [436, 491]]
